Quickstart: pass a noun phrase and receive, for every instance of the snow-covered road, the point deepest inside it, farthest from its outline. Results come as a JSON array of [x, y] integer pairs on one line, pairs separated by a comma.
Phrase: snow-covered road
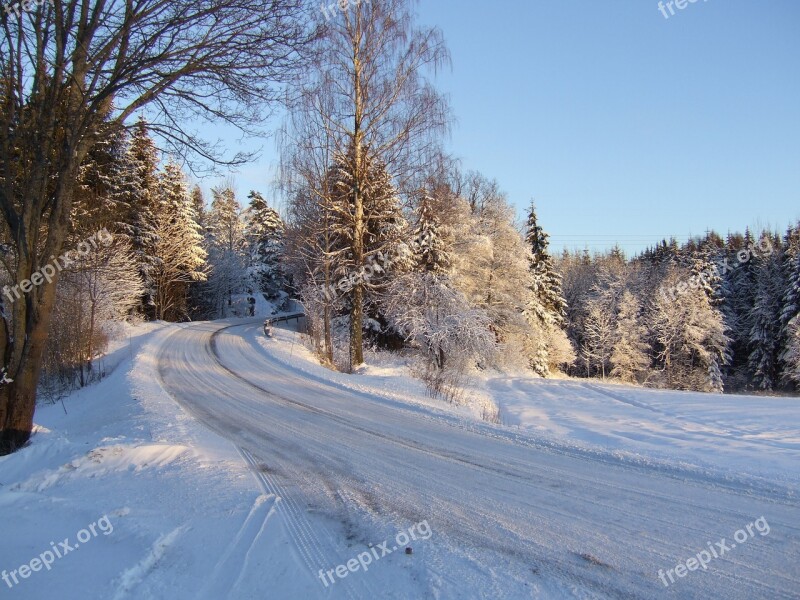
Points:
[[510, 517]]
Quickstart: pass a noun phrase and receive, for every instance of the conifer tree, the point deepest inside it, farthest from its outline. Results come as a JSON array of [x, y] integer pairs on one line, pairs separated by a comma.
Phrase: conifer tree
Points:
[[266, 237], [765, 327], [139, 193], [180, 255], [738, 289], [790, 309], [430, 252], [547, 308], [368, 238], [226, 248], [546, 280]]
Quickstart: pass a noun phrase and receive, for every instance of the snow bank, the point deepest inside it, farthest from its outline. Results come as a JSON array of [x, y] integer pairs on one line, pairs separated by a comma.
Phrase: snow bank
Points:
[[180, 501]]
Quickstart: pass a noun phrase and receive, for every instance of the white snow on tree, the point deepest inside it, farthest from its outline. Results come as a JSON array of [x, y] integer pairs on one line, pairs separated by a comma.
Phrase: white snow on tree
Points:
[[790, 309], [374, 242], [791, 355], [689, 337], [178, 247], [765, 329], [738, 289], [441, 322], [266, 239], [227, 250], [430, 250], [139, 193], [546, 279], [630, 357], [546, 307]]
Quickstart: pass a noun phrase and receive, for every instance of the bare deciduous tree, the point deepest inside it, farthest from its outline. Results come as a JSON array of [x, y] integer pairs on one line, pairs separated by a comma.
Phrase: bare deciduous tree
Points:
[[65, 67], [369, 94]]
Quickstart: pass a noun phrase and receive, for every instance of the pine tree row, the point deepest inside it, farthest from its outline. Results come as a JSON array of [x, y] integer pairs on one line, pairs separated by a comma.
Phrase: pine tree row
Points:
[[709, 315]]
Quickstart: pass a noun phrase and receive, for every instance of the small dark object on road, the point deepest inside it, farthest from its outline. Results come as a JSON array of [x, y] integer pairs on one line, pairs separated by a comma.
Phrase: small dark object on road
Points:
[[409, 551]]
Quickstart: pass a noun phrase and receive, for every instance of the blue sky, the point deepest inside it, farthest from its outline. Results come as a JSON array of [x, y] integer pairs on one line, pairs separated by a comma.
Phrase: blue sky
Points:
[[621, 124]]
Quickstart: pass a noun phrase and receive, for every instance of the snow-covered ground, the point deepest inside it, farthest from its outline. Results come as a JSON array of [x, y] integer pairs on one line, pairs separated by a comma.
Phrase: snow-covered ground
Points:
[[175, 509], [736, 435], [270, 471]]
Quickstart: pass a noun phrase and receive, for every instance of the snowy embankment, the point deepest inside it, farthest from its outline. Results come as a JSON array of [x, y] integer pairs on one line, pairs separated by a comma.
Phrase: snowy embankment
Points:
[[735, 437], [126, 496]]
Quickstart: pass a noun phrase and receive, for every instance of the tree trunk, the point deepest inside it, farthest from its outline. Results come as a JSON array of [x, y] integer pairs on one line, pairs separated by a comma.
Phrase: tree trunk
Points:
[[24, 342], [357, 296], [18, 399], [356, 317], [326, 314], [92, 319]]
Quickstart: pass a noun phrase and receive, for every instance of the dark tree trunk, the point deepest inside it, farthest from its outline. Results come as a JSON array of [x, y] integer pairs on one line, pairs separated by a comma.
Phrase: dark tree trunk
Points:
[[18, 398]]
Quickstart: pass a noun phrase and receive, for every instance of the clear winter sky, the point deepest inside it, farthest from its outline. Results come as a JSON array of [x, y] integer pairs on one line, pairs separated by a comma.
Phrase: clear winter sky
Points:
[[623, 125]]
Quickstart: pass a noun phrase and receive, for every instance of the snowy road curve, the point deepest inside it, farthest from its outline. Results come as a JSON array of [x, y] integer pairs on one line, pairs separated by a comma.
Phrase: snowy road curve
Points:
[[510, 518]]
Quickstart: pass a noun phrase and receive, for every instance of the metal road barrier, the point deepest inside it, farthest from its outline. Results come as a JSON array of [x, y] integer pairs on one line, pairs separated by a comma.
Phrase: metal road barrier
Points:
[[269, 323]]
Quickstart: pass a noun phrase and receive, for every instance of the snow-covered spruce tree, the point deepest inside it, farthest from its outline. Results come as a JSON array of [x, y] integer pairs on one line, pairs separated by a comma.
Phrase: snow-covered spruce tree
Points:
[[703, 256], [226, 249], [546, 279], [790, 309], [547, 307], [369, 239], [139, 193], [765, 329], [265, 234], [738, 289], [630, 357], [791, 354], [99, 199], [579, 275], [429, 246], [199, 205], [200, 304], [178, 248], [688, 336]]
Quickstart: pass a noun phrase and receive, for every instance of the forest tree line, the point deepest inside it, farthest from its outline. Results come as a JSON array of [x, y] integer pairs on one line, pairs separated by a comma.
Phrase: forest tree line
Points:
[[449, 273]]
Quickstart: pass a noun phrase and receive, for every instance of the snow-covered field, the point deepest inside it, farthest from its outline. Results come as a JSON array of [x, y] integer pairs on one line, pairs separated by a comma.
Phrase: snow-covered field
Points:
[[269, 472], [737, 435]]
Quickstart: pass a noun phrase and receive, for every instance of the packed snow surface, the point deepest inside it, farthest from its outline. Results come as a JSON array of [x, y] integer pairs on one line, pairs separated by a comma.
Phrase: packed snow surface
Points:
[[216, 463]]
